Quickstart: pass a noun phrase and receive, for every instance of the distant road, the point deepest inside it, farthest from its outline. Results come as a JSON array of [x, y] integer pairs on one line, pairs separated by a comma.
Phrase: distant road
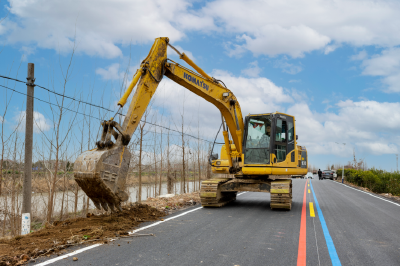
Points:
[[357, 229]]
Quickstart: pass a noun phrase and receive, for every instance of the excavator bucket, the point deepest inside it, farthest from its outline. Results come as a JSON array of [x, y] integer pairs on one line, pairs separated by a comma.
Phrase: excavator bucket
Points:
[[101, 173]]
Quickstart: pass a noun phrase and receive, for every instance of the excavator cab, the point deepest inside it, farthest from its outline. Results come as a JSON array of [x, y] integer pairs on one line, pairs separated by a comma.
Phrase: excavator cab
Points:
[[269, 142]]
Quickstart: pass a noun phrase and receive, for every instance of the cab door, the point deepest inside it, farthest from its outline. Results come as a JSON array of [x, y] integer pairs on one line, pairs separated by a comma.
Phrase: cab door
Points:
[[280, 141]]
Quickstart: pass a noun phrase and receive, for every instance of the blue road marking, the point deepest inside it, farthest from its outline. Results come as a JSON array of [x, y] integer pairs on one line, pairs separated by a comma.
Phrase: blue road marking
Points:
[[329, 242]]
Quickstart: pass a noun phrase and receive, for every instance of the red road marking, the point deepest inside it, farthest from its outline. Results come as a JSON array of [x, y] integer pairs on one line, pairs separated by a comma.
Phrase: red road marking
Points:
[[301, 255]]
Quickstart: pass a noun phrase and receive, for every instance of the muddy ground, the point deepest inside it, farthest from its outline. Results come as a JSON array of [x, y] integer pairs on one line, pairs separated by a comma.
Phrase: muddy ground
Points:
[[56, 237]]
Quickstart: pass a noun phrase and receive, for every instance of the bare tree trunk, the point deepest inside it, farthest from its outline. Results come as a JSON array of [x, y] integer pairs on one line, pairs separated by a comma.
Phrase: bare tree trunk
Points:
[[76, 199], [199, 168], [188, 171], [1, 162], [2, 159], [198, 154], [169, 181], [53, 179], [62, 199], [175, 181], [140, 162], [194, 174], [13, 207], [161, 168], [208, 165], [183, 162], [155, 164]]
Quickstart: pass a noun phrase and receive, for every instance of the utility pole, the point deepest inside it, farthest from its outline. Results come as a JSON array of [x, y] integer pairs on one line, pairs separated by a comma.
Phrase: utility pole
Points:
[[27, 184], [397, 162]]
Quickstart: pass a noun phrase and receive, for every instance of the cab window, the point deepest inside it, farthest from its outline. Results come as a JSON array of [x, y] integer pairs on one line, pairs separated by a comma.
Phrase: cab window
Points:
[[280, 140], [257, 144]]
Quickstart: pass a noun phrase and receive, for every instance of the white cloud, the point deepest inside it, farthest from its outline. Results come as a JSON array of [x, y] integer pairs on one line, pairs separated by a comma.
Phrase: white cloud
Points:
[[116, 72], [377, 148], [253, 71], [287, 67], [369, 126], [274, 39], [386, 65], [40, 123], [331, 48], [113, 71], [172, 54], [26, 51], [255, 95], [97, 27], [360, 56], [292, 27], [300, 26]]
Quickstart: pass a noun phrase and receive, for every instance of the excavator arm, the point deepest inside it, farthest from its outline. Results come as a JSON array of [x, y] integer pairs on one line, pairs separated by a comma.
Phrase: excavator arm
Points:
[[102, 172], [151, 72]]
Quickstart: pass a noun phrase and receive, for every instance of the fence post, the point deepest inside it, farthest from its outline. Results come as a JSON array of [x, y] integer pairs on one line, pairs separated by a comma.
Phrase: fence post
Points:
[[27, 185]]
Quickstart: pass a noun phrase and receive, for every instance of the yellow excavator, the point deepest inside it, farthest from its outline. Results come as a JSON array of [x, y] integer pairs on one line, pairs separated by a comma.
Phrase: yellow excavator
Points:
[[260, 152]]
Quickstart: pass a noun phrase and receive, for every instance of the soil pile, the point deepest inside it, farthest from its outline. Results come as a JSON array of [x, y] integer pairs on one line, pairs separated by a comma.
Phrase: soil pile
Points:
[[175, 202], [62, 234]]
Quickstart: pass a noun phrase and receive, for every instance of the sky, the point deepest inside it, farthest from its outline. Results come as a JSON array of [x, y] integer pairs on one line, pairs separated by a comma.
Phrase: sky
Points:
[[334, 65]]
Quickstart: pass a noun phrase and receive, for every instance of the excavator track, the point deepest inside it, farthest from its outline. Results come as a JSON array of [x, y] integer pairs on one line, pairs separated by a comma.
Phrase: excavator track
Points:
[[281, 194], [211, 194]]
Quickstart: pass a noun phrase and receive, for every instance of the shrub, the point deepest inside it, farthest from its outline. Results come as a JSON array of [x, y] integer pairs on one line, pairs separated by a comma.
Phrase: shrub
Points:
[[378, 181]]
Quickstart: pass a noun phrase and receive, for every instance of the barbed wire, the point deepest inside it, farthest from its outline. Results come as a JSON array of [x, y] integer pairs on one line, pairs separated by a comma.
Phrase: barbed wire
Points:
[[94, 105]]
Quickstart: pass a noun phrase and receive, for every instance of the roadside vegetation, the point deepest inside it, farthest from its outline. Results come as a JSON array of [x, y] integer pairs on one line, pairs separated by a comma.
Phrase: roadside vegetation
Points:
[[378, 181]]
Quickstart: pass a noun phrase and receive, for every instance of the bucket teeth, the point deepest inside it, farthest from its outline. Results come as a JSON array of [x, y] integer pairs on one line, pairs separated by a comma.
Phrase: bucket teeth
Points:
[[104, 205], [97, 203], [111, 205]]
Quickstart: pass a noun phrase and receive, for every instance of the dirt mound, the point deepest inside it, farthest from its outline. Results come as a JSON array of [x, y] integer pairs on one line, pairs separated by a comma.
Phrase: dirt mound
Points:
[[174, 203], [62, 234]]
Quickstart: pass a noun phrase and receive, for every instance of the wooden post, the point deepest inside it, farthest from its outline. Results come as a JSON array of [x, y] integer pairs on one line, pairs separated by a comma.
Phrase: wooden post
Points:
[[27, 183]]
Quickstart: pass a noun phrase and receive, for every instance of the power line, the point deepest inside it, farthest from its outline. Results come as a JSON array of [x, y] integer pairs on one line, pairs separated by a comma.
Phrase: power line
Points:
[[50, 103], [59, 94], [94, 105]]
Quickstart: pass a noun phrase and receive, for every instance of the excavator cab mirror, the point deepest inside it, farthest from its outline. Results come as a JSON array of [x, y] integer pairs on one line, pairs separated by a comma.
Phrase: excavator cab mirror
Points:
[[297, 137], [214, 157]]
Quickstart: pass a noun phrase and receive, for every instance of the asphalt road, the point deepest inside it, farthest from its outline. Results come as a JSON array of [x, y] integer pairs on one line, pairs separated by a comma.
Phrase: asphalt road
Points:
[[364, 230]]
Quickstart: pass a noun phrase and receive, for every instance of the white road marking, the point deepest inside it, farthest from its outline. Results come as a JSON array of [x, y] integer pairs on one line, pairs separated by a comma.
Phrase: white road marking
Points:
[[134, 231], [369, 194], [68, 255]]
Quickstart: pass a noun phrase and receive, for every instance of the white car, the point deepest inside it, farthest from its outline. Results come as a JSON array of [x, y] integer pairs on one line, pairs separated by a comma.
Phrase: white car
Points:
[[309, 175]]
